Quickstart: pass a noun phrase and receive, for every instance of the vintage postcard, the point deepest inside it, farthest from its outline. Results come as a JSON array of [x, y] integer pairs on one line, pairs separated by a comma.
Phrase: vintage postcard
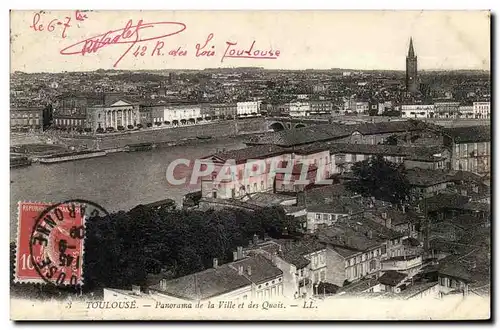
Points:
[[250, 165]]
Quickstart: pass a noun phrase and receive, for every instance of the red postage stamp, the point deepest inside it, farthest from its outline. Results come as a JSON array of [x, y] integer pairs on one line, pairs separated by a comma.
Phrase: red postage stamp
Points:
[[50, 241]]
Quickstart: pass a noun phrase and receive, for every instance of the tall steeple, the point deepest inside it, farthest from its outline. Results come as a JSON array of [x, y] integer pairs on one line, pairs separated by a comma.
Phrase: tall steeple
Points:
[[411, 51], [411, 70]]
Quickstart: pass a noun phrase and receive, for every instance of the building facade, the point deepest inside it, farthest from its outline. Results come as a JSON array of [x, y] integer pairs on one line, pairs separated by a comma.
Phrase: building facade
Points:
[[417, 111], [481, 110], [248, 109], [118, 114], [300, 109], [26, 118]]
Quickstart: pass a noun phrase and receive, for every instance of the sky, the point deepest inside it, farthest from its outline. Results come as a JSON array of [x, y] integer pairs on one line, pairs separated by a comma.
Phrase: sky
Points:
[[364, 40]]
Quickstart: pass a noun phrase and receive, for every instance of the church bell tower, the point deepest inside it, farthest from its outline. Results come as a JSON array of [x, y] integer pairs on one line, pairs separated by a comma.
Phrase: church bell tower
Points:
[[411, 70]]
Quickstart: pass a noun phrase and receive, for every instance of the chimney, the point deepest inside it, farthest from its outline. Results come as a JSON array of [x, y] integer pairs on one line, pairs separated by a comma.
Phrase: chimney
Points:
[[370, 234], [163, 284], [255, 239], [240, 270], [136, 290], [240, 252], [249, 270], [404, 208], [235, 255], [215, 263]]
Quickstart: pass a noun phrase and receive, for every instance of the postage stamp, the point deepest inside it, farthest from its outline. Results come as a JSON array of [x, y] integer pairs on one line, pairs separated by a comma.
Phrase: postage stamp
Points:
[[50, 241]]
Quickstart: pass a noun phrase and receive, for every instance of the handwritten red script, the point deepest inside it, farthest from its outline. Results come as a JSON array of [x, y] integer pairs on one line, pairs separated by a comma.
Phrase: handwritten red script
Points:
[[139, 37], [130, 34]]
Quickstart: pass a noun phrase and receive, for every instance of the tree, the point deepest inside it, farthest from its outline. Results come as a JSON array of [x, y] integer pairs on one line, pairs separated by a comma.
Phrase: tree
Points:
[[147, 239], [379, 178], [391, 140]]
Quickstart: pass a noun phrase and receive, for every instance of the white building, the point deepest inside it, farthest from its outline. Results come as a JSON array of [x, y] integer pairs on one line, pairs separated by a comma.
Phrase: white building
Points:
[[481, 110], [417, 110], [466, 111], [300, 109], [180, 114], [248, 109]]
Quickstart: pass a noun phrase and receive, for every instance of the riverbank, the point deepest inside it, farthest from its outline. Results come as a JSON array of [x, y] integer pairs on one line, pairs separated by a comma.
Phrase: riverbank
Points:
[[83, 147]]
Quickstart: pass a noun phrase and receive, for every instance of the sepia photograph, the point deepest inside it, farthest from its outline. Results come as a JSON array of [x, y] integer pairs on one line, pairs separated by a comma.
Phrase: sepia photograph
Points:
[[250, 165]]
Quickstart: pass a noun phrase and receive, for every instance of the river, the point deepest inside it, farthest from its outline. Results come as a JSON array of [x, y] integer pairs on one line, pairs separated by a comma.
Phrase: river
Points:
[[118, 181]]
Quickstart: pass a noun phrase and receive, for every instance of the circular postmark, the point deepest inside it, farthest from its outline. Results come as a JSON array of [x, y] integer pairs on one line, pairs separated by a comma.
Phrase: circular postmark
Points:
[[57, 239]]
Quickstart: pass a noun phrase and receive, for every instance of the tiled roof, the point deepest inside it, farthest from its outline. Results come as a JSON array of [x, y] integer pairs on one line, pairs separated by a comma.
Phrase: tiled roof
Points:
[[359, 286], [392, 278], [337, 206], [325, 193], [354, 234], [255, 152], [472, 266], [424, 178], [262, 269], [293, 251], [443, 201], [466, 134], [385, 127], [216, 281], [465, 176], [303, 135]]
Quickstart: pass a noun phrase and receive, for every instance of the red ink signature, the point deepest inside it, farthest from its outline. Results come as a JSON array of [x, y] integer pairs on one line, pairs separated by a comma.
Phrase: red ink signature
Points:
[[130, 34]]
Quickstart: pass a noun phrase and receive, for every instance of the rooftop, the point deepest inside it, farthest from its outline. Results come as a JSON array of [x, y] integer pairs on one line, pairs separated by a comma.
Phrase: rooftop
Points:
[[392, 278], [467, 134], [425, 178], [216, 281], [254, 152]]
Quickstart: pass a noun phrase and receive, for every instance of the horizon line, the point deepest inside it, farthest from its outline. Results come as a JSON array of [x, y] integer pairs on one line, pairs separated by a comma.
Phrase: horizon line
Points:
[[250, 68]]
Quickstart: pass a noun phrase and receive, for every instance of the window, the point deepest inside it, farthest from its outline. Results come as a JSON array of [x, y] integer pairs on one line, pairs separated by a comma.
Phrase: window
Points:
[[384, 249], [373, 265], [262, 185], [318, 216], [325, 217], [255, 187]]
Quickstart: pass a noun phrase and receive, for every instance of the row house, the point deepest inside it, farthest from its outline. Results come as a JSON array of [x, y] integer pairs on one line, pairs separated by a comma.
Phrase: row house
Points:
[[26, 117], [355, 248], [300, 109], [321, 107], [466, 111], [377, 133], [343, 156], [303, 263], [417, 111], [324, 215], [427, 183], [248, 109], [178, 115], [481, 110], [221, 111], [447, 110], [246, 278], [470, 148]]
